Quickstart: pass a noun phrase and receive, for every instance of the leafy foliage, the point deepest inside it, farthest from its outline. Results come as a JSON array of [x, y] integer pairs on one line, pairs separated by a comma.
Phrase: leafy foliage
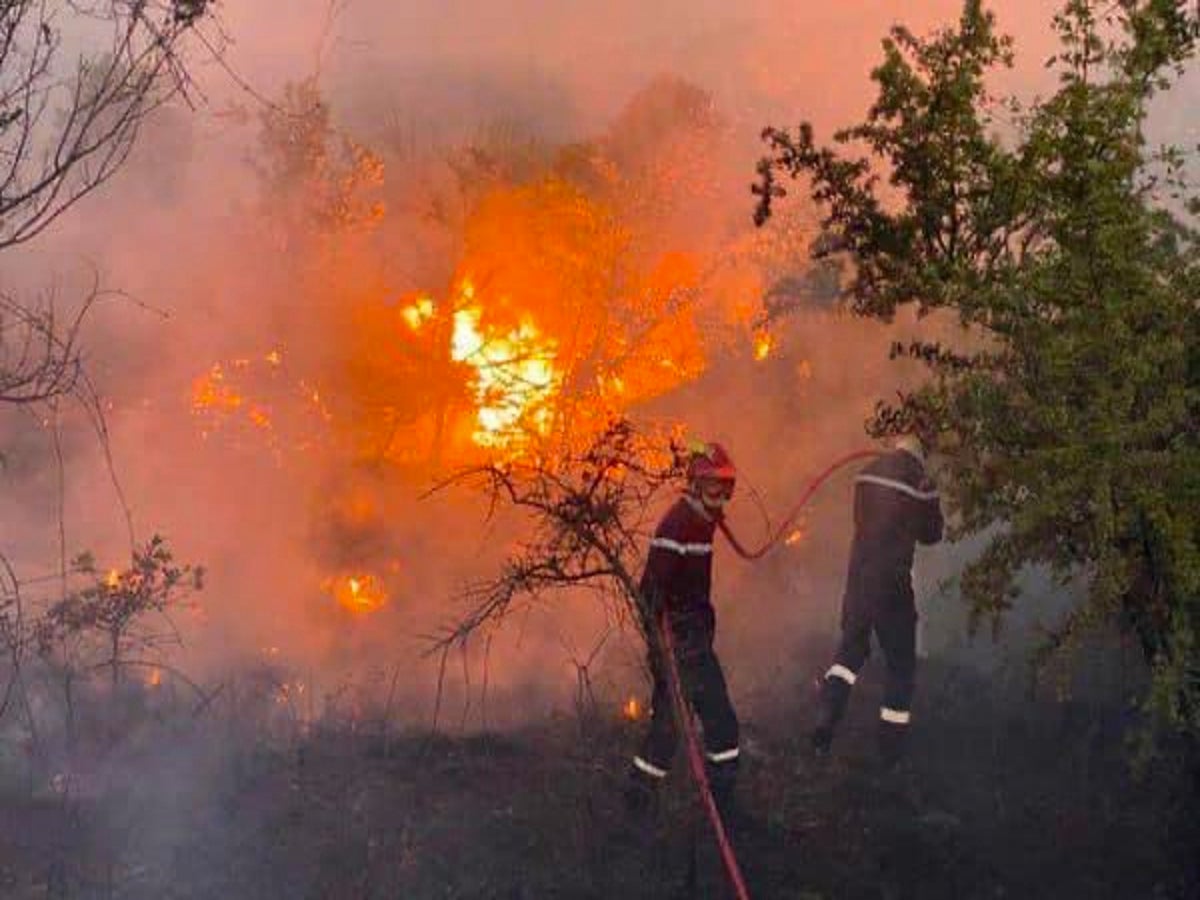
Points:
[[113, 607], [1070, 412]]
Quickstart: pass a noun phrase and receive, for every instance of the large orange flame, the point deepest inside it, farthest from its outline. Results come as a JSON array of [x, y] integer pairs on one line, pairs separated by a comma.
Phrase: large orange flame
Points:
[[361, 593], [515, 375]]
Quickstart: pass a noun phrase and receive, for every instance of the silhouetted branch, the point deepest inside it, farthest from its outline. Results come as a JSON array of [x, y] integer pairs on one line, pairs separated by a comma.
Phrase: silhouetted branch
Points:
[[587, 514]]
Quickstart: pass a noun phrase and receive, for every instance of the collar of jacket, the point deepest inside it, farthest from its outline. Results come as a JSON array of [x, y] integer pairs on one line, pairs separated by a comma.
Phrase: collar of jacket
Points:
[[701, 510], [911, 446]]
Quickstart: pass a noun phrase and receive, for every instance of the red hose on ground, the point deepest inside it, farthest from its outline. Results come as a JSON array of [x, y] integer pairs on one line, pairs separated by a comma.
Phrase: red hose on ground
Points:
[[696, 761], [683, 713]]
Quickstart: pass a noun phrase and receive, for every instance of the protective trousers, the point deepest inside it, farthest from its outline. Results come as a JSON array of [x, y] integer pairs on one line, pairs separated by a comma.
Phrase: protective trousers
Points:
[[705, 689], [894, 626]]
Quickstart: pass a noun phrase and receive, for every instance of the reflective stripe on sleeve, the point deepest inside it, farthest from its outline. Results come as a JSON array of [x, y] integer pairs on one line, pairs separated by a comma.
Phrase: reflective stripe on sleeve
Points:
[[649, 768], [681, 549], [837, 670], [897, 486], [895, 716], [723, 755]]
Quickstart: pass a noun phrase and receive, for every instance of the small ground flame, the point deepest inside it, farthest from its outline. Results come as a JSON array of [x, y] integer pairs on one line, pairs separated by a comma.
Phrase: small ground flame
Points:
[[763, 344], [358, 593], [795, 537], [632, 710], [418, 313]]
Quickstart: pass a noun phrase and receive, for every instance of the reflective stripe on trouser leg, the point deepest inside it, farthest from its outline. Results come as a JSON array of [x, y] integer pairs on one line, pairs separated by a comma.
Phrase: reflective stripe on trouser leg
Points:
[[898, 639], [706, 688], [837, 670], [649, 769], [723, 756], [893, 734], [722, 776], [852, 651], [658, 748]]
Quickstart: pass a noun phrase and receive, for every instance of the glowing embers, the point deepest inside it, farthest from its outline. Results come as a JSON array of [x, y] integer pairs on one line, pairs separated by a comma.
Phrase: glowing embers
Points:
[[798, 532], [514, 373], [230, 395], [633, 710], [417, 314], [360, 593], [764, 343], [212, 393]]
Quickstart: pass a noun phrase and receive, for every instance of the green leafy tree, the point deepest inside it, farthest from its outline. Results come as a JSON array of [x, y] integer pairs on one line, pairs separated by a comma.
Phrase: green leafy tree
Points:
[[1070, 413]]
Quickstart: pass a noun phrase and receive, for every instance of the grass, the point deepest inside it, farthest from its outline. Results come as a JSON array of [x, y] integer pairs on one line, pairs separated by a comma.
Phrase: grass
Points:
[[1001, 798]]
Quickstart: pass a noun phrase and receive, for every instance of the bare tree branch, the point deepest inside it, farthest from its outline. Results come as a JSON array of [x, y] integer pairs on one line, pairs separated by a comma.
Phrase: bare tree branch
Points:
[[68, 123], [588, 513]]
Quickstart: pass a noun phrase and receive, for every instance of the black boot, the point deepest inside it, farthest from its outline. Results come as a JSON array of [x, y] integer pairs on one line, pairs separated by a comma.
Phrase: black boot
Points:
[[641, 796], [821, 739], [832, 697], [723, 781], [892, 740]]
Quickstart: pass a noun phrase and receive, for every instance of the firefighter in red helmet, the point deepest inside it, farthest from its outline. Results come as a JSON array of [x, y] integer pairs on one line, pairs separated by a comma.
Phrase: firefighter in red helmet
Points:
[[678, 579]]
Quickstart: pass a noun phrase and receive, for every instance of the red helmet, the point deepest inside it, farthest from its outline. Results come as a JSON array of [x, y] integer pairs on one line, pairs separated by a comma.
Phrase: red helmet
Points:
[[711, 462]]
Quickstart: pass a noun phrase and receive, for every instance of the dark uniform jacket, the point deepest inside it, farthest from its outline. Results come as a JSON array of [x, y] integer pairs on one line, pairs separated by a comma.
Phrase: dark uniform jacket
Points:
[[895, 508], [678, 572]]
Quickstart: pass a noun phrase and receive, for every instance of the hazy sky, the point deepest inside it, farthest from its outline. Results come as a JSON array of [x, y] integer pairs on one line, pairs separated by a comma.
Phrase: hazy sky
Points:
[[758, 56]]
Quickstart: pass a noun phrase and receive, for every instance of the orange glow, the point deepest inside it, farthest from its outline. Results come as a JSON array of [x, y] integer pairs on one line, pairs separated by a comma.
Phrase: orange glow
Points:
[[213, 394], [763, 344], [358, 593], [210, 391], [632, 710], [515, 376], [796, 536], [153, 678], [417, 314], [112, 579]]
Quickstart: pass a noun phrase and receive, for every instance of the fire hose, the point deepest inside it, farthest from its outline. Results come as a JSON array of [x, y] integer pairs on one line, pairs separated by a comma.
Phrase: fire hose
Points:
[[813, 486], [679, 700]]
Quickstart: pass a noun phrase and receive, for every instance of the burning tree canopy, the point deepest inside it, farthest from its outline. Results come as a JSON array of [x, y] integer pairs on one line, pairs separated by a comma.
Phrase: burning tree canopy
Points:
[[554, 316]]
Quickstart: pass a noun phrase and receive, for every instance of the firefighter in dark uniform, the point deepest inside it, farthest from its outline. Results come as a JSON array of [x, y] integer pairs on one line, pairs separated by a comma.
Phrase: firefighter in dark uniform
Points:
[[896, 507], [678, 578]]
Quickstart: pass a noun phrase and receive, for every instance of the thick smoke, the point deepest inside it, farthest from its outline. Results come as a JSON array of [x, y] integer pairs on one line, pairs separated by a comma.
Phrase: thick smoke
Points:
[[185, 233]]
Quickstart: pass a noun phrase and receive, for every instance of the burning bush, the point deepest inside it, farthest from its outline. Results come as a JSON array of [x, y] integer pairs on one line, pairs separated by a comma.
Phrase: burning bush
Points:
[[104, 623]]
